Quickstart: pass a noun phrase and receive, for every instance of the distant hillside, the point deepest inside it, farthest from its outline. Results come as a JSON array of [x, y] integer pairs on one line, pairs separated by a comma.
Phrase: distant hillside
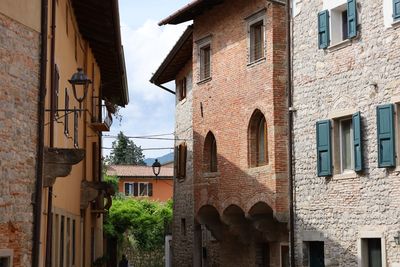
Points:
[[163, 159]]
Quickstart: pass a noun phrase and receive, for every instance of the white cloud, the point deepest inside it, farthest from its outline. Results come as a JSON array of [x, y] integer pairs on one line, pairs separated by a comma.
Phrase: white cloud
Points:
[[151, 110]]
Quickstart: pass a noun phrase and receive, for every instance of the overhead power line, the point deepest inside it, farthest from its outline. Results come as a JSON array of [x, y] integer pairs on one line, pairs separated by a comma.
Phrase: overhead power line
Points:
[[149, 148]]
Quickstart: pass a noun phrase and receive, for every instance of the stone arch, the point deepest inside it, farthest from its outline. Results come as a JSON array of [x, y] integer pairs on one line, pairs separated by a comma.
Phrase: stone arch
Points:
[[209, 216], [210, 159], [257, 138]]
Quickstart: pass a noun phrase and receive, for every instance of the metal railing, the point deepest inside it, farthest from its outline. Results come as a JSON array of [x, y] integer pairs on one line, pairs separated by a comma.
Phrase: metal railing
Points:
[[100, 114]]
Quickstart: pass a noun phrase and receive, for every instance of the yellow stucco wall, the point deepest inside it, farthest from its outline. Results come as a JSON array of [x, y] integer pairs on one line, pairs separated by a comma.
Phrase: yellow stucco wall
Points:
[[31, 15], [67, 190]]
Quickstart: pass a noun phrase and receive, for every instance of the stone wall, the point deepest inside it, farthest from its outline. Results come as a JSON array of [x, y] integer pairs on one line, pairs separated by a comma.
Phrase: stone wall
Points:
[[355, 76], [183, 239], [19, 86]]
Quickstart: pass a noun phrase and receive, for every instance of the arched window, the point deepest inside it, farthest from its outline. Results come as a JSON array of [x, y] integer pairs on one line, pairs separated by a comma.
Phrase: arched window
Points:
[[210, 163], [258, 140]]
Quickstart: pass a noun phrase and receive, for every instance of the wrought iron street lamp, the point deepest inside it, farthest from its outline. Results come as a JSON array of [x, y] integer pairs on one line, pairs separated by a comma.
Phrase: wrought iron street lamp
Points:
[[156, 167], [79, 79]]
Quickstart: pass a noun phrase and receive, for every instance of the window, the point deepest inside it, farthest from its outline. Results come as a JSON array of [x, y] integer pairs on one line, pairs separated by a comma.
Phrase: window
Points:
[[205, 62], [183, 226], [258, 140], [257, 41], [139, 189], [182, 89], [371, 252], [396, 9], [256, 36], [386, 135], [66, 105], [210, 163], [56, 90], [347, 144], [66, 18], [316, 254], [391, 12], [181, 152], [6, 257], [76, 48], [76, 133], [337, 23]]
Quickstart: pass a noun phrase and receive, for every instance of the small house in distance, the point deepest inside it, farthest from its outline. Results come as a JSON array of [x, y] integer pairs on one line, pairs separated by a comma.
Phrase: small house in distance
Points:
[[140, 181]]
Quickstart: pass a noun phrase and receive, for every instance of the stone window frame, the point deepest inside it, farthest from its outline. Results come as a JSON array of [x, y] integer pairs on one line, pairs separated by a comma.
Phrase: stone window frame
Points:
[[210, 155], [365, 234], [336, 9], [202, 44], [257, 17], [8, 254], [388, 19], [306, 238], [254, 141], [336, 117], [396, 102]]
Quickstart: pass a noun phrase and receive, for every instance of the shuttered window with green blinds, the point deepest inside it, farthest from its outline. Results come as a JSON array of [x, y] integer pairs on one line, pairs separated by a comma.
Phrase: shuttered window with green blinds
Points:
[[323, 29], [324, 155], [352, 18], [396, 9], [385, 131], [357, 142]]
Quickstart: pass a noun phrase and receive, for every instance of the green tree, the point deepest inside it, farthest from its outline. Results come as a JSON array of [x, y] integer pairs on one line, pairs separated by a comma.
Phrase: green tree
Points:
[[141, 219], [125, 152]]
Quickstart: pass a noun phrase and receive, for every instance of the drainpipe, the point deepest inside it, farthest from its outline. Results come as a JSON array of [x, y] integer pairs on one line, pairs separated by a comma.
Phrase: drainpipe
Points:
[[39, 165], [290, 135], [49, 232]]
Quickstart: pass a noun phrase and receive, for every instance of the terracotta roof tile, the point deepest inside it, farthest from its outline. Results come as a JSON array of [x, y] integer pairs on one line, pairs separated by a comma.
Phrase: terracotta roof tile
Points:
[[138, 171]]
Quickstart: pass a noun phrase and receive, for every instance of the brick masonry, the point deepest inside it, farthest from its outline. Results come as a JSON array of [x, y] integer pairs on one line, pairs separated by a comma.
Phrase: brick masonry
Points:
[[19, 85], [342, 209], [224, 105]]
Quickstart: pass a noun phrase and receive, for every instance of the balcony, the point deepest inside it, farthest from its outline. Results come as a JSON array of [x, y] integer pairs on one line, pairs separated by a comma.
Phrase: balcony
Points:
[[101, 116]]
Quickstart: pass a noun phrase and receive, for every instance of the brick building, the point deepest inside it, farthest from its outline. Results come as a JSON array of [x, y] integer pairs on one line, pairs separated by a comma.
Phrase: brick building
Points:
[[52, 196], [346, 89], [231, 176]]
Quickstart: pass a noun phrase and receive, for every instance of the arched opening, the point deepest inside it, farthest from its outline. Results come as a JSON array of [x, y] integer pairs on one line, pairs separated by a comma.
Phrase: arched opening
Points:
[[258, 140], [210, 163]]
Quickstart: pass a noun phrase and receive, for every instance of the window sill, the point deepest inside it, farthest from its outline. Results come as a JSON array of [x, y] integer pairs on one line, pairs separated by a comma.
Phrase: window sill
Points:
[[395, 24], [339, 45], [182, 101], [204, 80], [345, 175], [256, 62], [211, 174]]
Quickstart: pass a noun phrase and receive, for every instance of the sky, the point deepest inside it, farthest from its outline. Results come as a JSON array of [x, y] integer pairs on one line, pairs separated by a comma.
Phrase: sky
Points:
[[151, 110]]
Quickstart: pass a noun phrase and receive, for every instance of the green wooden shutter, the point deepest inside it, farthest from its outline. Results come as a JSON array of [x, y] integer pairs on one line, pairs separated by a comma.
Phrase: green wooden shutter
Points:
[[150, 189], [396, 9], [352, 18], [385, 129], [324, 160], [323, 29], [357, 142]]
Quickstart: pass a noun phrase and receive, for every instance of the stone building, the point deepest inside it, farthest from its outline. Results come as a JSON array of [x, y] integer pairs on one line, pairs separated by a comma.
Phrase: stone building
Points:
[[346, 89], [231, 176], [51, 193]]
